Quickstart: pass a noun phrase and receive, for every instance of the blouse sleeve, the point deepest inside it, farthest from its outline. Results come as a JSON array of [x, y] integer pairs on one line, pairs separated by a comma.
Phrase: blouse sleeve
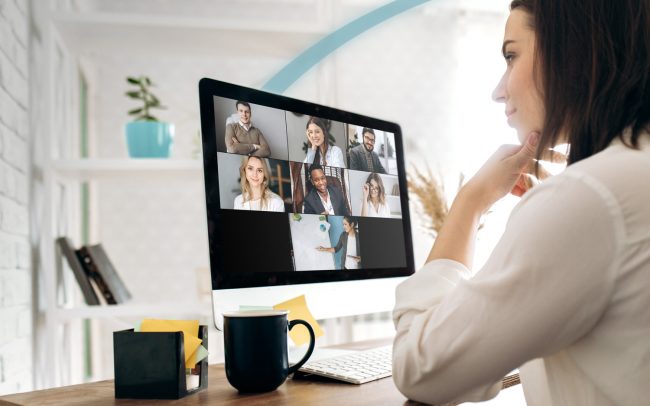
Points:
[[277, 204], [545, 285], [309, 159], [384, 210], [337, 157], [238, 203]]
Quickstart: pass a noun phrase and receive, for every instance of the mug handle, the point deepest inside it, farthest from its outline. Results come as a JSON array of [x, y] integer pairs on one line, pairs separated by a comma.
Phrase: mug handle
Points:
[[312, 341]]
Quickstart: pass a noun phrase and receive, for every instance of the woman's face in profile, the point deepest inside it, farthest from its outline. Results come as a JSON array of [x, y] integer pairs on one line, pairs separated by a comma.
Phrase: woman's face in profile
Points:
[[254, 172], [374, 188], [346, 226], [315, 135], [518, 88]]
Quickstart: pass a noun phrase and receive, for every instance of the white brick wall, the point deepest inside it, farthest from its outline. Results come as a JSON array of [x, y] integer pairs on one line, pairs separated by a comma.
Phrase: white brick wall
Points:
[[15, 258]]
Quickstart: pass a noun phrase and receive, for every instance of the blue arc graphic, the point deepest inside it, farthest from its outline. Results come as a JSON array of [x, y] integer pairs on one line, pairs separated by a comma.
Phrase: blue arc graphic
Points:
[[317, 52]]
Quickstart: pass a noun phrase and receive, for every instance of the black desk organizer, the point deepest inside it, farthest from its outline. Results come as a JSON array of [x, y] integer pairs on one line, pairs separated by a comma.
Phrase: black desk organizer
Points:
[[152, 365]]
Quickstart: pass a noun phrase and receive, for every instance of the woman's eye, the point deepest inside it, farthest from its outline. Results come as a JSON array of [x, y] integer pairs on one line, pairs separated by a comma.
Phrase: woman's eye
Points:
[[509, 57]]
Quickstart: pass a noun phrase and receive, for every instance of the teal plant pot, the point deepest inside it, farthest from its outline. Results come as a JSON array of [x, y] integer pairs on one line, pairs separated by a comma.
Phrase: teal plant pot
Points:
[[149, 139]]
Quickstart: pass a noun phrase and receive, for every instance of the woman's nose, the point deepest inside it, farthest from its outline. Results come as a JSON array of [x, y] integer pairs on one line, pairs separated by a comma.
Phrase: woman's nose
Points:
[[499, 93]]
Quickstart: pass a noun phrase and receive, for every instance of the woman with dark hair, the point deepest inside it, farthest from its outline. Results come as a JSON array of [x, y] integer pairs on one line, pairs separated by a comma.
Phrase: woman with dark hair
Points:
[[565, 294], [349, 243], [319, 151]]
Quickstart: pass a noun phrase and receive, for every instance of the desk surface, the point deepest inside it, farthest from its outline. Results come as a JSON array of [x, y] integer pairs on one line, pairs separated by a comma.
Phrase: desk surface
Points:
[[219, 392]]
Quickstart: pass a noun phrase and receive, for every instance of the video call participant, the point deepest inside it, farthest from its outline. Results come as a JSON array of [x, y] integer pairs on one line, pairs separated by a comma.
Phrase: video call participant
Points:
[[349, 243], [374, 198], [363, 158], [255, 192], [319, 151], [323, 199], [244, 138]]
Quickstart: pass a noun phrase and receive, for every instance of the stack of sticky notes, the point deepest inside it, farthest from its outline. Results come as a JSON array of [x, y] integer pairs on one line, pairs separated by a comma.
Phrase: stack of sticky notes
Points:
[[194, 351]]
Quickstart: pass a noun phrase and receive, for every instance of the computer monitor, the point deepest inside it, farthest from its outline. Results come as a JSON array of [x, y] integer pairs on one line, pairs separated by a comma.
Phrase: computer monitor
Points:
[[302, 199]]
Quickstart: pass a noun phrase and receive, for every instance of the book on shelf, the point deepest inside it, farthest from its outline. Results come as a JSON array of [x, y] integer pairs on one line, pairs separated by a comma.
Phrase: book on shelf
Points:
[[102, 272], [67, 250]]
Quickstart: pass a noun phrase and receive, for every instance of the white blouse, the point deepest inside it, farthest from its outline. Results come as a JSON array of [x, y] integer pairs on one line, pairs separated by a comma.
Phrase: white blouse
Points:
[[351, 250], [333, 155], [565, 293], [382, 210], [274, 203]]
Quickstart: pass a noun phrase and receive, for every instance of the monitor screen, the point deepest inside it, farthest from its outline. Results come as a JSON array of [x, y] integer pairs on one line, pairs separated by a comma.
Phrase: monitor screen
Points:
[[299, 193]]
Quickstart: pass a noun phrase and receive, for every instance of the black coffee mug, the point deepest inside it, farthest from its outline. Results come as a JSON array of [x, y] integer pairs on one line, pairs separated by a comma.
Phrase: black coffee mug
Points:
[[255, 347]]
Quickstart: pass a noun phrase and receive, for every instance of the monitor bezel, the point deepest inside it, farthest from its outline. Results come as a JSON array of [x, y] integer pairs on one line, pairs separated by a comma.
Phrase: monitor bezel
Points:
[[208, 89]]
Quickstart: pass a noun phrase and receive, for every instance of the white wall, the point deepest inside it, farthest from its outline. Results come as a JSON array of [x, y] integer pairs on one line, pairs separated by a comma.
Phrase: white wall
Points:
[[15, 264]]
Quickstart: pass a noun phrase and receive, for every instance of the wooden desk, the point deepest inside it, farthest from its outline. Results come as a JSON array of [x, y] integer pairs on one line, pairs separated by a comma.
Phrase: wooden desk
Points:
[[219, 392]]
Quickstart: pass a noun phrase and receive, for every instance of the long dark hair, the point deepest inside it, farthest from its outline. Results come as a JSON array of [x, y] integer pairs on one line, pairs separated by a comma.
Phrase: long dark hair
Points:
[[593, 57], [317, 157], [352, 222]]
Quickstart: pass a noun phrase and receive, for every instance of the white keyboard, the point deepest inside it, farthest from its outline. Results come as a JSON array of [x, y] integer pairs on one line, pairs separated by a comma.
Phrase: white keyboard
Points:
[[357, 367]]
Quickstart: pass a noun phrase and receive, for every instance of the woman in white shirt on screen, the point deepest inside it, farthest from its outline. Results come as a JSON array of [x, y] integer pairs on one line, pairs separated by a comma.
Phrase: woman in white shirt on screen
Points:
[[374, 198], [319, 151], [255, 192], [565, 294]]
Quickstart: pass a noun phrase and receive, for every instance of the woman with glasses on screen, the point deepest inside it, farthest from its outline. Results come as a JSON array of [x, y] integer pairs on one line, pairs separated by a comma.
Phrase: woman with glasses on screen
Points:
[[349, 243], [319, 151], [374, 198], [255, 192], [565, 294]]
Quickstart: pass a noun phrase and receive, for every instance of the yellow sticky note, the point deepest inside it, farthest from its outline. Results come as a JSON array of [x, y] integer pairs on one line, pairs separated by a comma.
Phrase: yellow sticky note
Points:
[[190, 329], [298, 310]]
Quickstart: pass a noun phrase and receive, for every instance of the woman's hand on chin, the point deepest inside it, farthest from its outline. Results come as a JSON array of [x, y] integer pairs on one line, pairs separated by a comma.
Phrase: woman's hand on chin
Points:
[[504, 172]]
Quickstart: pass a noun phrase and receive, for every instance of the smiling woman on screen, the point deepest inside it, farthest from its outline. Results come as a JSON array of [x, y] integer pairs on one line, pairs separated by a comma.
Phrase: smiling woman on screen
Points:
[[565, 294], [255, 193]]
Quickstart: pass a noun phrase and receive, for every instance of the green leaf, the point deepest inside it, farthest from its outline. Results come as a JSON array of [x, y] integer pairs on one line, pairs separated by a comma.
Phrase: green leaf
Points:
[[134, 94], [150, 118], [132, 80], [136, 111], [147, 81]]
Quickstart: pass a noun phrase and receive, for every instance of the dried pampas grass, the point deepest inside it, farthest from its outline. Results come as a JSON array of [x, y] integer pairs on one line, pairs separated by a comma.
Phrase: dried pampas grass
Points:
[[431, 200], [430, 192]]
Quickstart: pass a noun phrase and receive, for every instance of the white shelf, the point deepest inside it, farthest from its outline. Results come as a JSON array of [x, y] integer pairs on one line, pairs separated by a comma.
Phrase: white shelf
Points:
[[168, 310], [92, 169]]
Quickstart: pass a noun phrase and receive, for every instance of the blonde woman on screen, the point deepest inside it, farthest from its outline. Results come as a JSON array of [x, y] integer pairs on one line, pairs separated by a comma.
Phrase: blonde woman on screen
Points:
[[565, 294], [255, 192], [374, 198]]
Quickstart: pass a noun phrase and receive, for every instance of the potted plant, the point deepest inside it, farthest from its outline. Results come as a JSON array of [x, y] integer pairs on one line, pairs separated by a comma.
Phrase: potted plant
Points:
[[146, 137]]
